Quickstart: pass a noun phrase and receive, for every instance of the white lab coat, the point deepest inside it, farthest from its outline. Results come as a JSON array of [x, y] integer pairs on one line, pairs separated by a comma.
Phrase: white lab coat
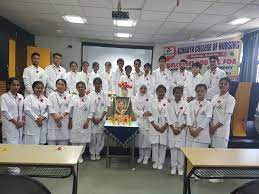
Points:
[[100, 105], [71, 79], [177, 112], [30, 75], [200, 111], [52, 74], [93, 75], [180, 77], [80, 109], [164, 78], [190, 84], [129, 80], [58, 103], [158, 110], [135, 77], [212, 81], [33, 108], [115, 79], [106, 82], [223, 107], [84, 77], [12, 108], [139, 106], [149, 82]]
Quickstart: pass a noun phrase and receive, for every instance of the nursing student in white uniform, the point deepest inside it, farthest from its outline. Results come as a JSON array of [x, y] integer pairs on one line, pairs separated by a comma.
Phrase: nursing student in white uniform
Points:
[[128, 78], [106, 77], [163, 76], [81, 111], [147, 79], [181, 74], [159, 131], [136, 74], [53, 72], [212, 77], [192, 81], [116, 76], [12, 113], [177, 113], [36, 116], [59, 100], [12, 117], [83, 76], [198, 134], [100, 102], [139, 106], [223, 107], [94, 74], [72, 78], [32, 73]]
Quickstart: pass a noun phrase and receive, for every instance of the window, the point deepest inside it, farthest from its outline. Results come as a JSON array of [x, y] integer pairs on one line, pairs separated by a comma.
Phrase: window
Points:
[[257, 74]]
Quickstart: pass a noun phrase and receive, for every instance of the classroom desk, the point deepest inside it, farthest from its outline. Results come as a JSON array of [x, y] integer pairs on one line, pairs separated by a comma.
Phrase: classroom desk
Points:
[[43, 160], [206, 163], [122, 134]]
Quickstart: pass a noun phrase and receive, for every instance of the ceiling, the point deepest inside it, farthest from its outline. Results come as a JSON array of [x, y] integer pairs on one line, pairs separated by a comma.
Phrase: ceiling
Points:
[[158, 21]]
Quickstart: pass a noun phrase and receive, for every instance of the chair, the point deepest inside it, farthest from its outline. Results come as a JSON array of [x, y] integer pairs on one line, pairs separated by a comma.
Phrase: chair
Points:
[[248, 188], [11, 184]]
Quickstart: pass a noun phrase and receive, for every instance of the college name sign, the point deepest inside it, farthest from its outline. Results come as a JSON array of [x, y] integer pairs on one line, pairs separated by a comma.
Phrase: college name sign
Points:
[[227, 50]]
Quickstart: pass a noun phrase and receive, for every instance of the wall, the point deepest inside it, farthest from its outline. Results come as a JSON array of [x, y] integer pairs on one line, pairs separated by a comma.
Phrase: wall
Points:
[[22, 38], [60, 45]]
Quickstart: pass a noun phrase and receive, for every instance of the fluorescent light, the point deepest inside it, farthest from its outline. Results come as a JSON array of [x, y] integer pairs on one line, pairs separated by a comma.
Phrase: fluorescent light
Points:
[[124, 23], [74, 19], [123, 35], [239, 21]]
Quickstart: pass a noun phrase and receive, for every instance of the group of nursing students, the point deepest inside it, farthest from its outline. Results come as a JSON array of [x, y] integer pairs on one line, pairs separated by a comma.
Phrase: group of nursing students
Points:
[[173, 110]]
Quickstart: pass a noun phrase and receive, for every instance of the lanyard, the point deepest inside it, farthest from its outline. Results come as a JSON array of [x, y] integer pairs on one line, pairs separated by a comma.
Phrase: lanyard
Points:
[[177, 114], [211, 78], [196, 113], [17, 105], [59, 104], [160, 113]]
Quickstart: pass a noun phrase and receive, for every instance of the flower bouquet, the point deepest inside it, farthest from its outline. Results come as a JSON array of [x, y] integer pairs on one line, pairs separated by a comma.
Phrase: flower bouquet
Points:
[[124, 88]]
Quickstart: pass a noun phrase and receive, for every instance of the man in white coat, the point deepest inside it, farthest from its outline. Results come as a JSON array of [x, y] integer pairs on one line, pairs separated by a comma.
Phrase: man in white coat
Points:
[[106, 78], [163, 76], [212, 77], [181, 74], [84, 76], [32, 73], [116, 76], [137, 74], [53, 72], [72, 77]]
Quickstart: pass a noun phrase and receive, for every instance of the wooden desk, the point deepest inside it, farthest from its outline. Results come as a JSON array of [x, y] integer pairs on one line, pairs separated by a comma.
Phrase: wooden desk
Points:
[[43, 160], [206, 163], [128, 132]]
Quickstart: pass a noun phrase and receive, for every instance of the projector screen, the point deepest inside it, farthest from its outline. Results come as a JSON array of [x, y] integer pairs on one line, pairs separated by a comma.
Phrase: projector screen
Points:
[[101, 54]]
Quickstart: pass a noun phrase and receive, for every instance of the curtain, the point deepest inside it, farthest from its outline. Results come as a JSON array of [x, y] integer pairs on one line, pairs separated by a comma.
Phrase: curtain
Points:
[[248, 67]]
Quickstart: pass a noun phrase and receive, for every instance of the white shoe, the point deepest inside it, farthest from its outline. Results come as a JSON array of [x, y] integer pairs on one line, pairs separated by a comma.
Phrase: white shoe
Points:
[[93, 157], [160, 166], [145, 161], [14, 170], [98, 157], [215, 180], [139, 160], [180, 172], [173, 171], [155, 165], [81, 160]]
